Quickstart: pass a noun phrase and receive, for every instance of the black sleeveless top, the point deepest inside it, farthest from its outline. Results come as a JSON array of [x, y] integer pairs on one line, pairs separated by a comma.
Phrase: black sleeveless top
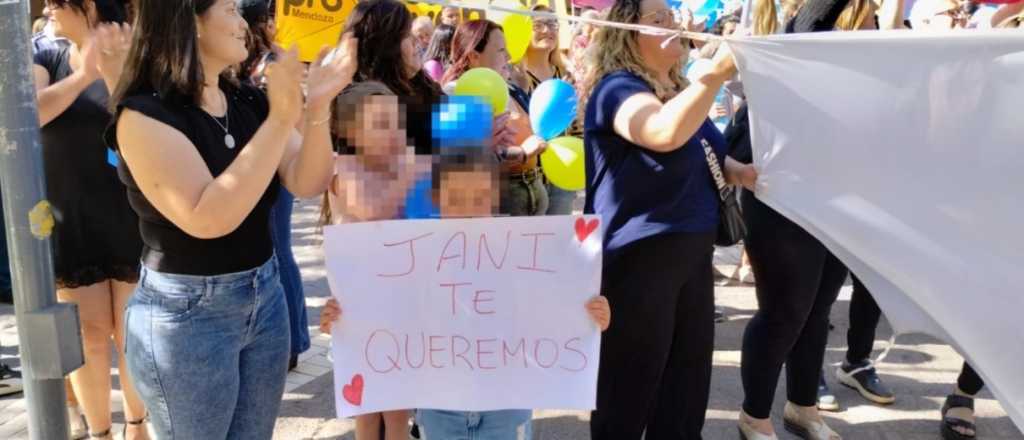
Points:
[[167, 248]]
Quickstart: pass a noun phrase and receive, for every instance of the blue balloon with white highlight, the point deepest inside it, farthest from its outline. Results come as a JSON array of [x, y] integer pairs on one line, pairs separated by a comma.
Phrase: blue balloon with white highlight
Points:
[[552, 108]]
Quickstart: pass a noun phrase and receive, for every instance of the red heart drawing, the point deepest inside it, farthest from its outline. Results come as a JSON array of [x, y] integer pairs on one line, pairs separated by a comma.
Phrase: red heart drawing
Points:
[[353, 392], [585, 228]]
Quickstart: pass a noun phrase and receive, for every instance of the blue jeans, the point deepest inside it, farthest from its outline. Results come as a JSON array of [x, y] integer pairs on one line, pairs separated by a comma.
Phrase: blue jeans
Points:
[[509, 424], [209, 355], [559, 200], [291, 279]]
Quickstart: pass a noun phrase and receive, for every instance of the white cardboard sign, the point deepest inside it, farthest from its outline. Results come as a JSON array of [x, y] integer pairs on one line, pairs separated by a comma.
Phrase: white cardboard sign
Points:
[[465, 314]]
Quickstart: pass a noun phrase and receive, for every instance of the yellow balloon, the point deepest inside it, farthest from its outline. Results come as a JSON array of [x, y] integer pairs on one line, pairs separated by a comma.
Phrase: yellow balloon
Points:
[[518, 33], [563, 164], [485, 83]]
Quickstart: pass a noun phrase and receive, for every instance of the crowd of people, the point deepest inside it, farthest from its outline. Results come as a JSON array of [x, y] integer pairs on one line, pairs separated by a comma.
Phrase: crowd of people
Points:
[[176, 138]]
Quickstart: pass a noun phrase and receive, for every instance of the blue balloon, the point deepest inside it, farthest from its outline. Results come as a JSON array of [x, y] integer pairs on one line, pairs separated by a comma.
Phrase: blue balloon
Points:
[[709, 10], [461, 121], [552, 108]]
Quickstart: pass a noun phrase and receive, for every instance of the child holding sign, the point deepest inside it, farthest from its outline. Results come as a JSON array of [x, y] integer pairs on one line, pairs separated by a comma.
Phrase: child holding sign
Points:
[[375, 156], [466, 184]]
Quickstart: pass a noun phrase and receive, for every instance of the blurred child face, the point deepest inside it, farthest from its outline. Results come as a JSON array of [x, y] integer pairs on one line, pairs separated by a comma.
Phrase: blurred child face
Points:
[[469, 192], [378, 129], [450, 16]]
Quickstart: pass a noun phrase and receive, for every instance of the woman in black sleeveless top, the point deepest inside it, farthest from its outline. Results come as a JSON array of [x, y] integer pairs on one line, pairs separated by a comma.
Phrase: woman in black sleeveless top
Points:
[[207, 330], [96, 241]]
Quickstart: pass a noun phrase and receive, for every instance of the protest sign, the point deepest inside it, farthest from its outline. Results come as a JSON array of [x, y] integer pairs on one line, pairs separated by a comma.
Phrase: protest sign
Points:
[[465, 314], [311, 24]]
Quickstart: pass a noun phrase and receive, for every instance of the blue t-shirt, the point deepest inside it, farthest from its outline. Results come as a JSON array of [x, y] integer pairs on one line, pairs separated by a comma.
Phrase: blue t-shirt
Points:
[[642, 193]]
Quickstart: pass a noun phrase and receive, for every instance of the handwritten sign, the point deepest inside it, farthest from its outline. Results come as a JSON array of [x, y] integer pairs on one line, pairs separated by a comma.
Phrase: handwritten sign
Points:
[[311, 24], [466, 314]]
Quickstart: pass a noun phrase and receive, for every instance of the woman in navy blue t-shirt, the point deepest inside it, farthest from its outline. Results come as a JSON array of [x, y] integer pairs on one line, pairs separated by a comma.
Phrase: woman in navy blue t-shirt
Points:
[[648, 177]]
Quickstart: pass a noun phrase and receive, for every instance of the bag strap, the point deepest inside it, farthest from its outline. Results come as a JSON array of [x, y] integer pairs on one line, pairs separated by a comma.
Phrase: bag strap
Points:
[[724, 192]]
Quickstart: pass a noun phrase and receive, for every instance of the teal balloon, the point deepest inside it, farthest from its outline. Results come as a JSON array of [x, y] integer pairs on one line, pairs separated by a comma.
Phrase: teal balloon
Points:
[[552, 108]]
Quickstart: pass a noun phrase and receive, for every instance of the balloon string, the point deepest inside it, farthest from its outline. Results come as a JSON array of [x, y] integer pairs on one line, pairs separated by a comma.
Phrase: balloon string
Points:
[[672, 34]]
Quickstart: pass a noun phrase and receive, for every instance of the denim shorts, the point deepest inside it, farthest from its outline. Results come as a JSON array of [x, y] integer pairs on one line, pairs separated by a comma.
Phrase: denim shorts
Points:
[[511, 424], [209, 355]]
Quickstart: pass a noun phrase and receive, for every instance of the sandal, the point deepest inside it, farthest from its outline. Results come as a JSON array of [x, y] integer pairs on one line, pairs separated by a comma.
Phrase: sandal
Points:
[[950, 423], [142, 421], [103, 435], [806, 429]]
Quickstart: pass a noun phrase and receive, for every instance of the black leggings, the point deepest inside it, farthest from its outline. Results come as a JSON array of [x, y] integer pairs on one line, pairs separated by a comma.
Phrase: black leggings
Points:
[[797, 282], [864, 317], [655, 372]]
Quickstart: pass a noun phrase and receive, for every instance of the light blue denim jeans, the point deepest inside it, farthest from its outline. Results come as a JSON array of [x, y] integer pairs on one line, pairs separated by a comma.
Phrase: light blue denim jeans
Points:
[[510, 424], [209, 355]]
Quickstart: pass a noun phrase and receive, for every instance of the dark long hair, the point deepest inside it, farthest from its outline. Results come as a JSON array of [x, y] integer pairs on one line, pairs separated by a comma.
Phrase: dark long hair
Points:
[[164, 56], [380, 26], [471, 36], [440, 47], [107, 11]]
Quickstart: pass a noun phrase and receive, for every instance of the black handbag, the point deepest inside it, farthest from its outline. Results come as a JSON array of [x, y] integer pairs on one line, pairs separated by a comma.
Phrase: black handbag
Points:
[[730, 224]]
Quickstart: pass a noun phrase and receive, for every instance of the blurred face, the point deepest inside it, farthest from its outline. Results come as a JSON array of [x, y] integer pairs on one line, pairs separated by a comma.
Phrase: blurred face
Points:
[[545, 34], [71, 22], [450, 16], [222, 33], [494, 56], [468, 193], [657, 13], [422, 31], [377, 131]]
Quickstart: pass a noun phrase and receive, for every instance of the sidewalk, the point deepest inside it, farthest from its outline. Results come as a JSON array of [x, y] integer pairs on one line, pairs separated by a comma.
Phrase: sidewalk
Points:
[[920, 369]]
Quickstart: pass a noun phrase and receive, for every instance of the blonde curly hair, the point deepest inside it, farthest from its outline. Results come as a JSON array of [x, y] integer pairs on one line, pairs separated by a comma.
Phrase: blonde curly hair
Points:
[[616, 49]]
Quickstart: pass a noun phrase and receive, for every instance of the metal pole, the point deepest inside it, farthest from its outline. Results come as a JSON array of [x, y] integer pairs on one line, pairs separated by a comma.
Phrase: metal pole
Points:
[[48, 332]]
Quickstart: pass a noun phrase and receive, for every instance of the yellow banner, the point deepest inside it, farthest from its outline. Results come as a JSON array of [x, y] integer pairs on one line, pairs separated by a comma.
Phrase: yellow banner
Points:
[[311, 24]]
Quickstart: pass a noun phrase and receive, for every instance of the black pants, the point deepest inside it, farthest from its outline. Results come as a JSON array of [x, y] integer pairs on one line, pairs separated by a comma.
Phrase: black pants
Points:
[[969, 381], [655, 371], [797, 282], [864, 317]]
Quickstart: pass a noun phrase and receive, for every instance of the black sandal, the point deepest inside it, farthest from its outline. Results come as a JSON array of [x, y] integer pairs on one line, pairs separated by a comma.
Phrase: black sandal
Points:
[[124, 432], [103, 434], [950, 423]]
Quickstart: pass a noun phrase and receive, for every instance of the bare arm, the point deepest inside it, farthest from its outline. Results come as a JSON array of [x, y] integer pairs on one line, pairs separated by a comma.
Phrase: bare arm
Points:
[[1005, 12], [56, 98], [308, 163], [187, 194], [644, 120], [737, 173]]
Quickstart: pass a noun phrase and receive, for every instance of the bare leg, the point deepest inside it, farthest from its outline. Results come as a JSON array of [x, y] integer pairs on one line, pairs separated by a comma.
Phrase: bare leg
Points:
[[396, 425], [91, 382], [368, 426], [134, 410]]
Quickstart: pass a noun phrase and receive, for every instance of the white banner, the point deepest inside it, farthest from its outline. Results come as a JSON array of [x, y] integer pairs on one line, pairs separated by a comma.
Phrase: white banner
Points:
[[468, 314], [902, 153]]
